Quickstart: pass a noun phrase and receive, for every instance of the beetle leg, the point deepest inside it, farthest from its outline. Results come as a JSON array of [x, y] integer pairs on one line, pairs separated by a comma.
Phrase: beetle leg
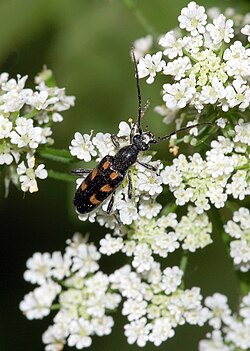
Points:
[[132, 133], [130, 186], [118, 219], [81, 171], [111, 203], [115, 141], [146, 165]]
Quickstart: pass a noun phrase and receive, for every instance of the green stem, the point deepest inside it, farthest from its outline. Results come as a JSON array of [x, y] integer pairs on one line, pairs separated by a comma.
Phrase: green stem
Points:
[[31, 114], [55, 306], [239, 168], [183, 265], [61, 176], [190, 56], [53, 154], [221, 50], [131, 5]]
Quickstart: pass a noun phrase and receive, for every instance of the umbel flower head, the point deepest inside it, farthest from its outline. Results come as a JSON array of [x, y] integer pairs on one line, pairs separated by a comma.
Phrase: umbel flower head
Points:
[[206, 59], [26, 118], [84, 298]]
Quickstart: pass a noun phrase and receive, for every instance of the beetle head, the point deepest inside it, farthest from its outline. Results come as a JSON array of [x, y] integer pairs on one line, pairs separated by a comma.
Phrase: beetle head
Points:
[[143, 141]]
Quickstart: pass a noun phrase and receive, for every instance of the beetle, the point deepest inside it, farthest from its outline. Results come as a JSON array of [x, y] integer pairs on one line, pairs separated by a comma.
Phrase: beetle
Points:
[[102, 181]]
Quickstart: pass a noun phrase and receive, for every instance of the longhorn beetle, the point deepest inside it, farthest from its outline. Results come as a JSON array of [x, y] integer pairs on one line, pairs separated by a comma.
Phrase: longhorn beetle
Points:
[[102, 181]]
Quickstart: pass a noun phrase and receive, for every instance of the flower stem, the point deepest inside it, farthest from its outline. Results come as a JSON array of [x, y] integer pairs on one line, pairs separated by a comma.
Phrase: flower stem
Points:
[[190, 56], [53, 154], [60, 176], [131, 5]]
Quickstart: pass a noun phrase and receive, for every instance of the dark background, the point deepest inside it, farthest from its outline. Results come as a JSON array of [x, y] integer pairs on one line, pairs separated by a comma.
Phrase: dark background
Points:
[[86, 43]]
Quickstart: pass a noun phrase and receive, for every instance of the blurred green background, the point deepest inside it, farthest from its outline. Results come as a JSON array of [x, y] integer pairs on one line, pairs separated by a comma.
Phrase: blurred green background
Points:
[[86, 43]]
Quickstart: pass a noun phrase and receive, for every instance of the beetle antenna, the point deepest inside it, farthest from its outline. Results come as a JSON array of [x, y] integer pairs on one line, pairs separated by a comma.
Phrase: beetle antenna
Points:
[[139, 116], [181, 129]]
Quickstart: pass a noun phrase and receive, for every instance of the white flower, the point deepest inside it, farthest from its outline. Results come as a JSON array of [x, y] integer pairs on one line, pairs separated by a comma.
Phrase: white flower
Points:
[[80, 331], [239, 229], [110, 245], [220, 310], [102, 326], [55, 337], [242, 132], [149, 182], [134, 309], [40, 100], [178, 95], [246, 30], [25, 134], [214, 343], [137, 331], [211, 93], [82, 147], [221, 29], [150, 65], [218, 164], [193, 18], [171, 279], [39, 266], [37, 303], [5, 127], [124, 130], [60, 265], [142, 45], [6, 153], [172, 46], [28, 175], [104, 145], [178, 67], [127, 211], [85, 259], [142, 258], [149, 210], [161, 331]]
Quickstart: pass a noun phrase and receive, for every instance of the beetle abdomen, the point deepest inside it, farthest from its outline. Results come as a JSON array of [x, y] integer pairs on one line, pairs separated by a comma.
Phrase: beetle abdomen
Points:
[[97, 186]]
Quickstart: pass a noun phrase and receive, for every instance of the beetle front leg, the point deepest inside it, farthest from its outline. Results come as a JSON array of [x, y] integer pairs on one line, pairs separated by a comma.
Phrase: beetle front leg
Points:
[[81, 171], [115, 141], [130, 186], [146, 165], [111, 203]]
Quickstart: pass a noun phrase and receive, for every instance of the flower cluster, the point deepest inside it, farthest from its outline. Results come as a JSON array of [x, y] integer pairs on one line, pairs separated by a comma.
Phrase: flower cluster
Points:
[[153, 300], [155, 304], [239, 231], [26, 117], [231, 331], [162, 236], [225, 171], [146, 182], [206, 66], [72, 284]]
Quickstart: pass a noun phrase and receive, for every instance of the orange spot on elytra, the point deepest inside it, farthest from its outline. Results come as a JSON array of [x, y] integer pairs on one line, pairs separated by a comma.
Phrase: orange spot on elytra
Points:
[[106, 188], [113, 175], [94, 200], [93, 173], [84, 185], [106, 165]]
